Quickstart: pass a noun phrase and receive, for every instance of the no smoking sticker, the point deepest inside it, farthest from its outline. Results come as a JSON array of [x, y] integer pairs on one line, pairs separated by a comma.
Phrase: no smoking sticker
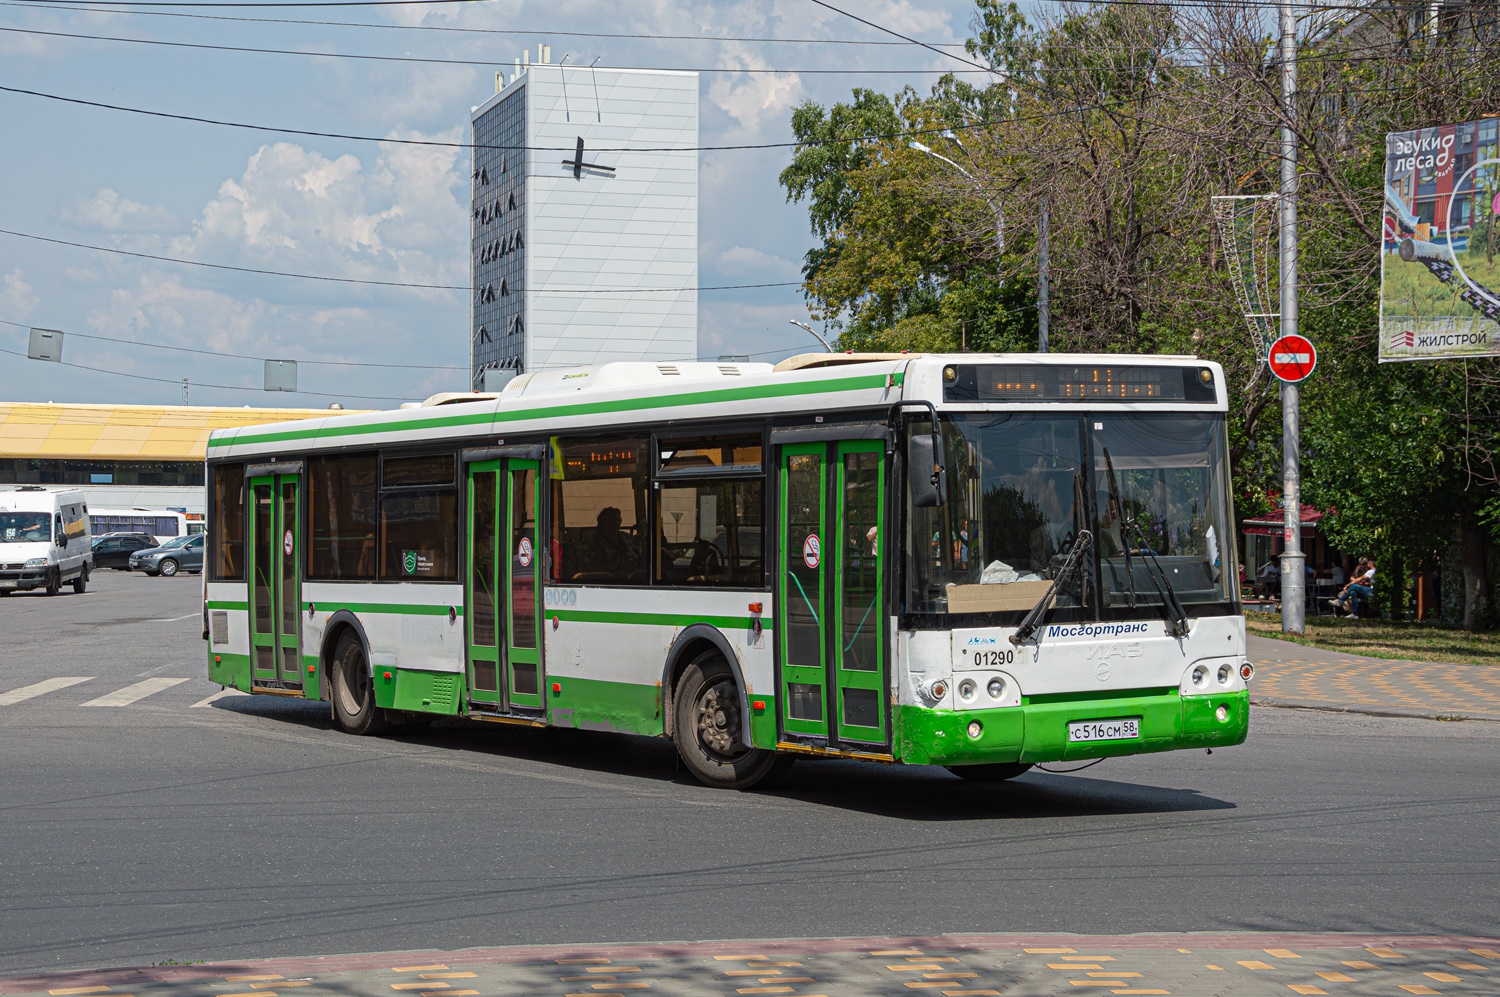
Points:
[[286, 543], [523, 552], [812, 551]]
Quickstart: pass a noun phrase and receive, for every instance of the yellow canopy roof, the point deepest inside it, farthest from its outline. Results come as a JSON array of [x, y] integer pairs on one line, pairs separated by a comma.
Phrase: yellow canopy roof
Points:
[[128, 432]]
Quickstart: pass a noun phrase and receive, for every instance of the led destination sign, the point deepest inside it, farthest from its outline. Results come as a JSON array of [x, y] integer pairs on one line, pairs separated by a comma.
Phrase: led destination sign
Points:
[[1076, 383]]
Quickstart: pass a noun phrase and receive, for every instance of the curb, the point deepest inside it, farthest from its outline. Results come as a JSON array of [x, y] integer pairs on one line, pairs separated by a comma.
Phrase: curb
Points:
[[1374, 711], [34, 982]]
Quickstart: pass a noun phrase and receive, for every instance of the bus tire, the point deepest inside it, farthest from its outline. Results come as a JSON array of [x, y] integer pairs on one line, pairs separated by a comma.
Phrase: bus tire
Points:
[[54, 582], [998, 772], [81, 583], [706, 728], [354, 706]]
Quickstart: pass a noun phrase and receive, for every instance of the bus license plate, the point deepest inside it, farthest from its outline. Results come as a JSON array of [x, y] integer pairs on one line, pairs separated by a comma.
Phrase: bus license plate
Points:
[[1126, 729]]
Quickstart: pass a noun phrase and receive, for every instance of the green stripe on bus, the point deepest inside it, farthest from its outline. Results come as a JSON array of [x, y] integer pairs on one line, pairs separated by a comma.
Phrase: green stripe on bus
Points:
[[651, 619], [218, 604], [586, 408], [382, 607]]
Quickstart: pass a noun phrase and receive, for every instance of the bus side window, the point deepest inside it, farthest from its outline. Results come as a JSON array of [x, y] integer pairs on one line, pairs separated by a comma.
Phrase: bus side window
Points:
[[599, 512]]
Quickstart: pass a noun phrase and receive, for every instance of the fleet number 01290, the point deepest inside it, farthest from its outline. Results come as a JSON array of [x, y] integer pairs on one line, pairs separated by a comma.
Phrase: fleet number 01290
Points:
[[1124, 729], [993, 659]]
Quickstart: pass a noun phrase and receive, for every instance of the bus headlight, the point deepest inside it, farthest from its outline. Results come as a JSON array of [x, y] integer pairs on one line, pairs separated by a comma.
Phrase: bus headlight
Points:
[[975, 729], [1200, 675], [1225, 674], [967, 688], [1222, 714], [996, 688]]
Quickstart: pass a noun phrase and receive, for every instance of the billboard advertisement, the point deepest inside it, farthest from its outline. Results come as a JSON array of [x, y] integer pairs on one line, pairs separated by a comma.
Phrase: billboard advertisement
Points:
[[1440, 245]]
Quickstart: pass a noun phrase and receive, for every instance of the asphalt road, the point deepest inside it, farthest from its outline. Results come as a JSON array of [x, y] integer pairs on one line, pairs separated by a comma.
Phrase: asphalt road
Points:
[[248, 828]]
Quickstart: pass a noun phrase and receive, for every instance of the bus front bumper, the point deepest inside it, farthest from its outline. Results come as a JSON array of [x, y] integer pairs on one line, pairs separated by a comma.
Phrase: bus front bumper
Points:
[[1038, 732]]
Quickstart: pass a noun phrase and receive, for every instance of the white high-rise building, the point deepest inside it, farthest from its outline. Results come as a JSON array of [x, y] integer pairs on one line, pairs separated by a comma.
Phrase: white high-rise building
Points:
[[585, 219]]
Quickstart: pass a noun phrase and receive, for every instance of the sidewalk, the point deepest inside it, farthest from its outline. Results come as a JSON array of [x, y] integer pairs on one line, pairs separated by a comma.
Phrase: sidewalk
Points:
[[1289, 674], [1042, 965]]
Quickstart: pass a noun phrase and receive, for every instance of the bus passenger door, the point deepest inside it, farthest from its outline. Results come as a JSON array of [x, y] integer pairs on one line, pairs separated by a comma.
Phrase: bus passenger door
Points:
[[503, 585], [276, 580], [523, 587], [481, 590], [830, 592]]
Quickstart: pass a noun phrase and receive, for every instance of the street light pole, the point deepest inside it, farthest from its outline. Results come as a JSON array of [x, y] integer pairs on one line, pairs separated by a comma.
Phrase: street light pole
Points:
[[1293, 576], [804, 325]]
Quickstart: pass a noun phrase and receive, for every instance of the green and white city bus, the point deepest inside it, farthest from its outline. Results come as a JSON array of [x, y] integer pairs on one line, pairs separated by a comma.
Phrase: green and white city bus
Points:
[[976, 561]]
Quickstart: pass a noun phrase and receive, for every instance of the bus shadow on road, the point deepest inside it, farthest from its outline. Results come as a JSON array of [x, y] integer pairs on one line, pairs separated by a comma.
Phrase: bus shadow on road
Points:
[[931, 794], [907, 792]]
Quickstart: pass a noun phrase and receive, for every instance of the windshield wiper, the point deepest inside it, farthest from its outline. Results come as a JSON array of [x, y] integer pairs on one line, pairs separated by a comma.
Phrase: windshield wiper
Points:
[[1172, 610], [1033, 619]]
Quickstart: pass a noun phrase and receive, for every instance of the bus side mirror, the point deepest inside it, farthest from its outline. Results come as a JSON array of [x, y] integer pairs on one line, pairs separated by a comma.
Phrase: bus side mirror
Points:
[[925, 471]]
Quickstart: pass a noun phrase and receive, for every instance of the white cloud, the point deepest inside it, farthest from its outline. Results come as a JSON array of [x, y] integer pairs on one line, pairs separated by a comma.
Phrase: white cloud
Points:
[[17, 300], [109, 211], [296, 210], [753, 99], [748, 260]]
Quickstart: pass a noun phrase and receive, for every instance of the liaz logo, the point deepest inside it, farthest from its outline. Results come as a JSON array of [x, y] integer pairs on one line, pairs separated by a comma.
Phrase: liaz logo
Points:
[[1104, 651], [409, 561]]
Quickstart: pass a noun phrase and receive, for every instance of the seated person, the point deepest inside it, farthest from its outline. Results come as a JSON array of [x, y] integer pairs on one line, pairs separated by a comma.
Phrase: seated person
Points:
[[606, 549]]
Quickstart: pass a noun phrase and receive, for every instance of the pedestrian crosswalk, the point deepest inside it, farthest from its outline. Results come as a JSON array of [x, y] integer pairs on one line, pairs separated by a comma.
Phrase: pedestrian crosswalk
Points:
[[128, 695], [133, 693]]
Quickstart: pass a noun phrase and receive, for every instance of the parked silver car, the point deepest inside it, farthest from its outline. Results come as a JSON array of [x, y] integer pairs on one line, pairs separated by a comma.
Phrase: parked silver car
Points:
[[177, 554]]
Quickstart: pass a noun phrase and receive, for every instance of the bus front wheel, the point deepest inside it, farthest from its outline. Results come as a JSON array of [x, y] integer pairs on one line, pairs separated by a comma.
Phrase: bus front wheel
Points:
[[707, 728], [354, 690], [998, 772]]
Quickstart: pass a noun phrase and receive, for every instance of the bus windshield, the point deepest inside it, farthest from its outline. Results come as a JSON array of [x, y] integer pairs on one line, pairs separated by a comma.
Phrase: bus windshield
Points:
[[1151, 488], [25, 527]]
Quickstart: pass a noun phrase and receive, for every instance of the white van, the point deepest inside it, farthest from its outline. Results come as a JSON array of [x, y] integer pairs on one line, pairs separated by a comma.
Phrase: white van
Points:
[[44, 539]]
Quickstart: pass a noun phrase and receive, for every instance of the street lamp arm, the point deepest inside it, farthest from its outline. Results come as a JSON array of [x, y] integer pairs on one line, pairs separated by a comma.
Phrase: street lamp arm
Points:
[[938, 155]]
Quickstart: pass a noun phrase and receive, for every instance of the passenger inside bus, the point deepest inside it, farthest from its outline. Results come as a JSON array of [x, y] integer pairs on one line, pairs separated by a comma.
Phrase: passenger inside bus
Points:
[[607, 550]]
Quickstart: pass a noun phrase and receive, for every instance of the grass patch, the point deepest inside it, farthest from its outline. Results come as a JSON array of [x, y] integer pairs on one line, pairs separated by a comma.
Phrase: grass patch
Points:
[[1396, 639]]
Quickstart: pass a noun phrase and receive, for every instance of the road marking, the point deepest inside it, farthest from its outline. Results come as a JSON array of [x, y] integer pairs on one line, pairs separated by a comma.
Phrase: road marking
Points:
[[1417, 988], [1304, 988], [1445, 977], [1337, 977], [135, 692], [446, 976], [20, 696], [81, 990], [394, 969], [221, 694], [1282, 953], [175, 619]]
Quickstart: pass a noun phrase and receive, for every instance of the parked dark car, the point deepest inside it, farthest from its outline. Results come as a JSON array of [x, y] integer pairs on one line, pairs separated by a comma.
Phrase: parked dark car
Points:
[[113, 551], [177, 554]]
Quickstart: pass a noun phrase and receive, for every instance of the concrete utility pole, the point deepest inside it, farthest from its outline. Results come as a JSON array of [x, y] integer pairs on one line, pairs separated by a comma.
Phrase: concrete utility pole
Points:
[[1042, 268], [1293, 575]]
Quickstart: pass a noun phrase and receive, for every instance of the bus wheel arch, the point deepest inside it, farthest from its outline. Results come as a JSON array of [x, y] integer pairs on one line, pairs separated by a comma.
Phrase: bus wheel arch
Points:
[[690, 644], [338, 624]]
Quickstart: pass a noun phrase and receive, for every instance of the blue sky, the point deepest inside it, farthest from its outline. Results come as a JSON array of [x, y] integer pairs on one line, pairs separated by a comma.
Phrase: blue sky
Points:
[[358, 209]]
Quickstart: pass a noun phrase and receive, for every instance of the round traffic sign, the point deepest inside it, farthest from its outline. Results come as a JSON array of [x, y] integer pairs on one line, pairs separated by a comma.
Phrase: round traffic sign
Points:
[[1293, 358]]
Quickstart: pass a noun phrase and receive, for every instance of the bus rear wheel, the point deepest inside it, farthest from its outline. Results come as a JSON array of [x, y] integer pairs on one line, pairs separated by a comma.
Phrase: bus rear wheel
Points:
[[708, 729], [998, 772], [354, 690]]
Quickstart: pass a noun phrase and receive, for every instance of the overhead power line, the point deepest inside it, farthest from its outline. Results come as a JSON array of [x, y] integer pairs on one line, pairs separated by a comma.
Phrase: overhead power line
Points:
[[390, 283], [453, 62], [548, 33], [244, 356], [198, 384]]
